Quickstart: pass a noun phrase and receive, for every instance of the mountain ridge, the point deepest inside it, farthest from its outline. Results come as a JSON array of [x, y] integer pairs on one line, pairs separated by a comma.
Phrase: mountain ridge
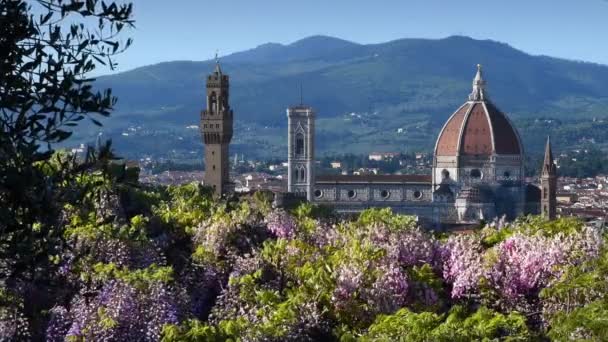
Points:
[[404, 80]]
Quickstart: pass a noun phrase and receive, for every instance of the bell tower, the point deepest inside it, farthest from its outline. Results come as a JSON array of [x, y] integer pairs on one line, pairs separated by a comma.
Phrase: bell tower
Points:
[[548, 183], [216, 131], [301, 150]]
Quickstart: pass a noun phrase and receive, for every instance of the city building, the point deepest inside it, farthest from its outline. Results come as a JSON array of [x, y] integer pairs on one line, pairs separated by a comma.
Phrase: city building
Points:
[[477, 171], [216, 131], [301, 156], [548, 185]]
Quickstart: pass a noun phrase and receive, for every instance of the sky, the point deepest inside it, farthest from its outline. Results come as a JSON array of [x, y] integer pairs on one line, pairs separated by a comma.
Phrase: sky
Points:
[[195, 29]]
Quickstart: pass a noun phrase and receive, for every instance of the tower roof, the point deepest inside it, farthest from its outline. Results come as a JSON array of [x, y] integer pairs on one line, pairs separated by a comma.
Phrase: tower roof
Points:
[[218, 69], [478, 127], [548, 164]]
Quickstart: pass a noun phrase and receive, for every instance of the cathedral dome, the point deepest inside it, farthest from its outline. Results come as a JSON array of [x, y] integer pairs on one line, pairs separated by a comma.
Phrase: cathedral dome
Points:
[[478, 128]]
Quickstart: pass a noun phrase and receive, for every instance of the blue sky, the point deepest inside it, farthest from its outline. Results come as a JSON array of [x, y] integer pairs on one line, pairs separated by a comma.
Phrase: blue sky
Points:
[[195, 29]]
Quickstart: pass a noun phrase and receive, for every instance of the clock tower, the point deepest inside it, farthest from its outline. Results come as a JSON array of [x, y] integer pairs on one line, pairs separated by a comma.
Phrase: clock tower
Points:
[[216, 131]]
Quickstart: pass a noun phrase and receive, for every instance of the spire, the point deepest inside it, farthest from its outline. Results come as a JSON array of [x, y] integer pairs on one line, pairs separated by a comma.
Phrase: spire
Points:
[[479, 86], [548, 164], [218, 70]]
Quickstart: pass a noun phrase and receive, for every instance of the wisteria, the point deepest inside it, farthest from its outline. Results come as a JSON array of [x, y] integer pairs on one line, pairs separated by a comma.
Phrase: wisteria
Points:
[[526, 264], [281, 224], [242, 270], [118, 312], [390, 289], [463, 264]]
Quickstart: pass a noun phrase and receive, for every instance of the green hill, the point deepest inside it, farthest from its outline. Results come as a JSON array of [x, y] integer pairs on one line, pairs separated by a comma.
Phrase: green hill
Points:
[[390, 96]]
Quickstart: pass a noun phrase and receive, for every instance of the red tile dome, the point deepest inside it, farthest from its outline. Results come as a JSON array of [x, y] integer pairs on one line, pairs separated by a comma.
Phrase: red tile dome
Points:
[[478, 128]]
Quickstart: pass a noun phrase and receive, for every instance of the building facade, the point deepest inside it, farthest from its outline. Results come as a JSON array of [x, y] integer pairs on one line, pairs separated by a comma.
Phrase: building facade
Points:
[[301, 150], [478, 172], [216, 130]]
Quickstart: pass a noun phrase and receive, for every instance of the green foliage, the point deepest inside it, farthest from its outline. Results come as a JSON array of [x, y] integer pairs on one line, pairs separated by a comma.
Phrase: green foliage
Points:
[[139, 278], [531, 225], [586, 323], [578, 302], [196, 331], [46, 56], [385, 216], [457, 325], [88, 228], [185, 207]]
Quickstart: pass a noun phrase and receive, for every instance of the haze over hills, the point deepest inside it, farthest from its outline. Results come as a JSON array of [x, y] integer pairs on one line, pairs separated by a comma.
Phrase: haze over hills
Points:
[[391, 96]]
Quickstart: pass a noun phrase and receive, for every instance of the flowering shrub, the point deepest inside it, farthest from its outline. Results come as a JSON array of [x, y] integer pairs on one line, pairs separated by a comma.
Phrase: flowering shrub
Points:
[[462, 264], [173, 265]]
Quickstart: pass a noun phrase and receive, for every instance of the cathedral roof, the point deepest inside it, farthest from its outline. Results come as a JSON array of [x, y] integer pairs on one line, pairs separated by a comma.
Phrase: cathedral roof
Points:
[[478, 127], [384, 179]]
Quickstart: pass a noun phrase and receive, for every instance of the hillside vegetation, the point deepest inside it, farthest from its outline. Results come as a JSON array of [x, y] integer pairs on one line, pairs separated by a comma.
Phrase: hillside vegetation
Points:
[[363, 95]]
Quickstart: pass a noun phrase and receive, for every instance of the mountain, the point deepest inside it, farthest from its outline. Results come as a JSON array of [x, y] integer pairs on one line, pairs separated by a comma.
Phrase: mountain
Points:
[[391, 96]]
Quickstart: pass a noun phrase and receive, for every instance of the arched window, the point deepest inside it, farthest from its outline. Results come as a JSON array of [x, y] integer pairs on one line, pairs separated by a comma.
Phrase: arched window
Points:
[[445, 174], [213, 103], [299, 144], [303, 175]]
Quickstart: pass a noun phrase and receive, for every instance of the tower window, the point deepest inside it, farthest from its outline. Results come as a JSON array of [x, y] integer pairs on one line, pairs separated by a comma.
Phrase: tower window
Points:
[[445, 174], [417, 194], [303, 175], [213, 167], [300, 144], [213, 103], [318, 193]]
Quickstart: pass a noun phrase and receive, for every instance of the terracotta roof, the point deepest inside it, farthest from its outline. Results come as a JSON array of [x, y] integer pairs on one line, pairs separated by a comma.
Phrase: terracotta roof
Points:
[[447, 144], [478, 127], [477, 135], [374, 179]]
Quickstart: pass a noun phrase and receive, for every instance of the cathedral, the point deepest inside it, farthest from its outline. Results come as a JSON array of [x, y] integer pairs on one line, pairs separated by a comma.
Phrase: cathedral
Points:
[[477, 173]]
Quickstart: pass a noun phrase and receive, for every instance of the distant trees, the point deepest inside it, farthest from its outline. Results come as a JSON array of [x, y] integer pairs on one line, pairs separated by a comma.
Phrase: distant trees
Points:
[[587, 163]]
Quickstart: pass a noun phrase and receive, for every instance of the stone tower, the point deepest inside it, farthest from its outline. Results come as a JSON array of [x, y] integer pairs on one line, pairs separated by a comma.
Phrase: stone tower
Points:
[[301, 150], [216, 130], [548, 183]]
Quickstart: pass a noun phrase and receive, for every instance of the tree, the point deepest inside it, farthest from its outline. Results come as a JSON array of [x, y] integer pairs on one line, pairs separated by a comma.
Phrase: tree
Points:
[[48, 48]]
